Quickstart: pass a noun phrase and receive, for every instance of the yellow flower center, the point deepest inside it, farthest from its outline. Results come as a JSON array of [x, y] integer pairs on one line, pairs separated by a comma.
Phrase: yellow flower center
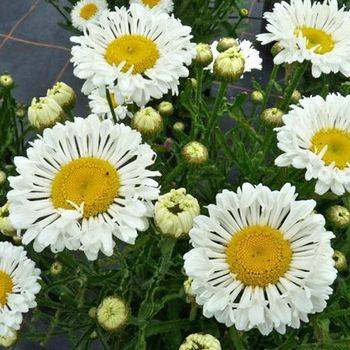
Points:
[[258, 255], [136, 51], [316, 38], [151, 3], [92, 181], [88, 11], [338, 146], [6, 286]]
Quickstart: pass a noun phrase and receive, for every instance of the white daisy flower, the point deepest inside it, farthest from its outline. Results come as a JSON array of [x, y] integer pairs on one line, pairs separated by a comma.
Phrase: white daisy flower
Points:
[[163, 5], [144, 52], [251, 56], [261, 259], [99, 104], [18, 287], [316, 32], [87, 11], [82, 184], [316, 137]]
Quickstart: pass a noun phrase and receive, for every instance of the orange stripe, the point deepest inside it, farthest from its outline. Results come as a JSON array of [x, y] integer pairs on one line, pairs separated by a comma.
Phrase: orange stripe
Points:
[[35, 43], [61, 72]]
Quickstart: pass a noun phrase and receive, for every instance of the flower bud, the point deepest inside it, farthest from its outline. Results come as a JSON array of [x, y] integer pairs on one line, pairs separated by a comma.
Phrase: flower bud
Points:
[[338, 216], [6, 227], [63, 94], [195, 153], [56, 268], [9, 340], [112, 313], [168, 144], [272, 116], [276, 48], [200, 341], [340, 261], [179, 126], [190, 297], [6, 80], [93, 312], [345, 88], [244, 12], [44, 112], [147, 121], [194, 83], [2, 177], [204, 54], [166, 109], [229, 65], [17, 240], [296, 96], [227, 43], [257, 97], [20, 111], [174, 213]]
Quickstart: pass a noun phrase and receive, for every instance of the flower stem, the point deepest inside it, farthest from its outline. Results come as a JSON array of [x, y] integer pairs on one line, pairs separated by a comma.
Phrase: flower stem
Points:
[[215, 116], [269, 86], [236, 339], [292, 86], [111, 106]]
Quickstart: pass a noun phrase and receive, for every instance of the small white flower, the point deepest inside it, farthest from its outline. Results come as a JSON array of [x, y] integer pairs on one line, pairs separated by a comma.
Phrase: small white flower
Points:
[[87, 11], [261, 259], [82, 185], [310, 31], [99, 104], [316, 137], [162, 5], [144, 52], [251, 56], [18, 287]]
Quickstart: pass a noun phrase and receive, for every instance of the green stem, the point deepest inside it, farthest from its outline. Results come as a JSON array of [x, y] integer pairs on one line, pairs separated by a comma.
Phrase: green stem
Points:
[[292, 86], [111, 106], [193, 312], [197, 114], [269, 86], [236, 339], [215, 116]]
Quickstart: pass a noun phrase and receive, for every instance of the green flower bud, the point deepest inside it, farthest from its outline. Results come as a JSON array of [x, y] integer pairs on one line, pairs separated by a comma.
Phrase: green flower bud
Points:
[[195, 153], [204, 55], [338, 216], [147, 121], [6, 80], [227, 43], [272, 117], [229, 65], [340, 261], [166, 109], [257, 97]]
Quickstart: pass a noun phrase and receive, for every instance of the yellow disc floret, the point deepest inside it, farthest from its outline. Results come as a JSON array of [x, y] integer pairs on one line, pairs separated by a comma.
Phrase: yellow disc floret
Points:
[[258, 255], [6, 286], [88, 11], [338, 146], [316, 39], [92, 181], [136, 51], [151, 3]]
